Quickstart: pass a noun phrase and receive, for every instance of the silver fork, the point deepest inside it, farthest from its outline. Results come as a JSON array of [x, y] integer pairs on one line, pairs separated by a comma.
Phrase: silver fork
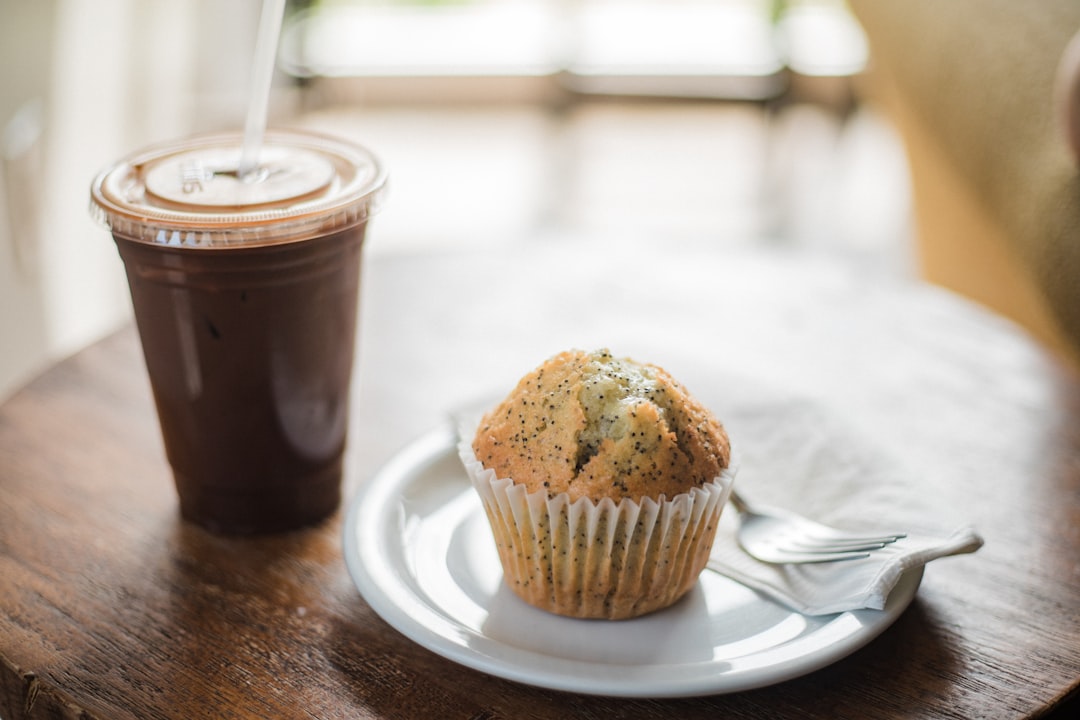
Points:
[[774, 535]]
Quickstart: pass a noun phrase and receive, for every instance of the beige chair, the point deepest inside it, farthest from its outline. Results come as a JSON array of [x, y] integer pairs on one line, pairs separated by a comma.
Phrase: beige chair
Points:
[[971, 86]]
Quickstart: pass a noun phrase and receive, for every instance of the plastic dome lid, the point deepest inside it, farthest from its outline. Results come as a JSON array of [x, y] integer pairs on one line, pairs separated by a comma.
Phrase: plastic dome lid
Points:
[[189, 193]]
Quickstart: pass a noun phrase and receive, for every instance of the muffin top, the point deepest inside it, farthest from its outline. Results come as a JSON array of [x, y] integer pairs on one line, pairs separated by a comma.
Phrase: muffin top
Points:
[[596, 426]]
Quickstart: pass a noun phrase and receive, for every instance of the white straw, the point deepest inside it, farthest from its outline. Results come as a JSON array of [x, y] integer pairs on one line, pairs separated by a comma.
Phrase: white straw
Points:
[[262, 75]]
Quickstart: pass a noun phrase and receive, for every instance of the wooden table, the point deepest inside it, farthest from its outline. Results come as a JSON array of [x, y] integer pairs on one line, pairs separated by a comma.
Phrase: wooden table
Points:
[[111, 607]]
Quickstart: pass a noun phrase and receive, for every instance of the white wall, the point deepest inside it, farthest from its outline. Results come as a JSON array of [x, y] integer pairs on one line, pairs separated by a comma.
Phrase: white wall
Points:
[[25, 54]]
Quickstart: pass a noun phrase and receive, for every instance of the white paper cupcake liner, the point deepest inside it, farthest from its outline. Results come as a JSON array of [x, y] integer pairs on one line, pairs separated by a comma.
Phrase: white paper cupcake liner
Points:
[[598, 559]]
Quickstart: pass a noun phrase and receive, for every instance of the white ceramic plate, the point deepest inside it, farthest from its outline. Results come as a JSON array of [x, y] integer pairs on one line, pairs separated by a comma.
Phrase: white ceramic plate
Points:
[[418, 547]]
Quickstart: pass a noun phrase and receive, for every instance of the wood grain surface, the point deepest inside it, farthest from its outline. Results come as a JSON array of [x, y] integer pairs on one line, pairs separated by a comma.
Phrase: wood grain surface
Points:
[[113, 608]]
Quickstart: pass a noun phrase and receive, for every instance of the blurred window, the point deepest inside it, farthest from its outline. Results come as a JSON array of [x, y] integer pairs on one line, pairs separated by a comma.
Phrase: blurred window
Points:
[[725, 49]]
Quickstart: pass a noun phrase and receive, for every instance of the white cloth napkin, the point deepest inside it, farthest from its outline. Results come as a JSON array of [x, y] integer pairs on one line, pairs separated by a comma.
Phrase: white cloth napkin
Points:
[[795, 455]]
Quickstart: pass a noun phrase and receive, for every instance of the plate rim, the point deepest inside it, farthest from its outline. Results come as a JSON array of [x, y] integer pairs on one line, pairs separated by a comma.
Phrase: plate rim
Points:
[[432, 446]]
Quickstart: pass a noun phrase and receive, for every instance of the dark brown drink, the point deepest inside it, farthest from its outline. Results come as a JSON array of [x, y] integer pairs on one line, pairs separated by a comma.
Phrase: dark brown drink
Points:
[[246, 297]]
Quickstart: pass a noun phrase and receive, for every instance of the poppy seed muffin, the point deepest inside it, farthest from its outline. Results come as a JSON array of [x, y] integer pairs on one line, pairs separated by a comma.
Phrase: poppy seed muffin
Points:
[[603, 481], [596, 426]]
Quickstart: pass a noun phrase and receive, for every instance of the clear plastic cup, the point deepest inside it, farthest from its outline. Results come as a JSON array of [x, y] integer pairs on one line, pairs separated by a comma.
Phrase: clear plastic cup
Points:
[[245, 294]]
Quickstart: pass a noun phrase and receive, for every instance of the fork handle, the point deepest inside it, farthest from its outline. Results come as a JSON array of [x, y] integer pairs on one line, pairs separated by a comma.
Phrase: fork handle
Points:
[[736, 500]]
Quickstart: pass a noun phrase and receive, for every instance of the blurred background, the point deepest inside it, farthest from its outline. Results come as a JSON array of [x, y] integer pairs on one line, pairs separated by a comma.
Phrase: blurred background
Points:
[[729, 123]]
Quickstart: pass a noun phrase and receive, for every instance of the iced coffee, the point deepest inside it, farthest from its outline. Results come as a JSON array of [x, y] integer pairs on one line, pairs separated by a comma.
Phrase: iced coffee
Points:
[[245, 293]]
